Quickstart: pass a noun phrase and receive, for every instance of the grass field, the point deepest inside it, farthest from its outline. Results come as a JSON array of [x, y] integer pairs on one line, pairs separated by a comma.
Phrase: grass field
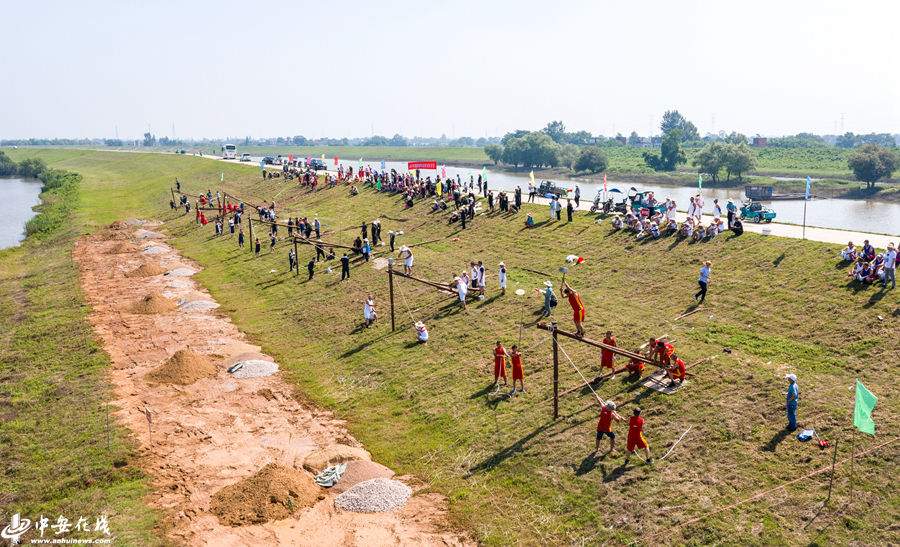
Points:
[[53, 437], [512, 473]]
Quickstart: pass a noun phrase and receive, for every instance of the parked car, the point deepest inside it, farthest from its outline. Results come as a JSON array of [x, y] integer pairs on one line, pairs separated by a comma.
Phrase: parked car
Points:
[[268, 160], [639, 200], [755, 211], [550, 187], [316, 164], [245, 157]]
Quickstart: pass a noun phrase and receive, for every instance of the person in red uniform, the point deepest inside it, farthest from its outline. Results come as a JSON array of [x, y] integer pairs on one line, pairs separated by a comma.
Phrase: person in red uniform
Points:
[[577, 308], [518, 374], [676, 371], [607, 356], [604, 426], [635, 438], [499, 363], [662, 352], [635, 366]]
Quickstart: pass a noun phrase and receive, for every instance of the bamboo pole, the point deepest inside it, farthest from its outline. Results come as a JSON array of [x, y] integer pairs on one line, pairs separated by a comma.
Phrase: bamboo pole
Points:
[[296, 259], [554, 330], [600, 345], [250, 223], [391, 286]]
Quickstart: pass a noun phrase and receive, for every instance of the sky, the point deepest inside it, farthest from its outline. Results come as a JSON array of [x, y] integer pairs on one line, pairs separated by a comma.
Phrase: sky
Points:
[[460, 68]]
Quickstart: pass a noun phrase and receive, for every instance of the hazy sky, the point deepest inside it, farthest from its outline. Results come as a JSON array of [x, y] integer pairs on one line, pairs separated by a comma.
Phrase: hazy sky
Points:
[[476, 68]]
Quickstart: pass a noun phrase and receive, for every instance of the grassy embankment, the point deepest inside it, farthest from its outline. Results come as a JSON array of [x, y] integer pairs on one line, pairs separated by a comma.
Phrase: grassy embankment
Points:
[[53, 437], [513, 474]]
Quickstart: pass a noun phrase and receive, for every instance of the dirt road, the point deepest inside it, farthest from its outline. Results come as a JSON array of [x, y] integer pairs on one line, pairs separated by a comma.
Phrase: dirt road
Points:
[[221, 429]]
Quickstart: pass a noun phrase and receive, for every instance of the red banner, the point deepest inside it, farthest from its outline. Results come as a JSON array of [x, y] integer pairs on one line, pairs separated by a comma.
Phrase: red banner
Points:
[[335, 160], [422, 165]]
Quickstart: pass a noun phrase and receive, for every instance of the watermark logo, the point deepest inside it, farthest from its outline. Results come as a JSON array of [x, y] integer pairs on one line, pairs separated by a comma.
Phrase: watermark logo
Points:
[[17, 526]]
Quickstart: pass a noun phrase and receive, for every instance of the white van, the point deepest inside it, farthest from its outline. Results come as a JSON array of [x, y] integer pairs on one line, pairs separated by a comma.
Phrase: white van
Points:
[[229, 152]]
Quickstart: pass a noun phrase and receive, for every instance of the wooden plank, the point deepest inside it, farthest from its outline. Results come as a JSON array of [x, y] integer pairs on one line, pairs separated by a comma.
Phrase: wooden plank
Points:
[[614, 349]]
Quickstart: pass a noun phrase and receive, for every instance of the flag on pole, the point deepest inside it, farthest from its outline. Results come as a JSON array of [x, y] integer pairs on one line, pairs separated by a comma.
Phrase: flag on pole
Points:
[[862, 413], [291, 158], [531, 176], [604, 181], [323, 158], [699, 184], [484, 174], [262, 164], [808, 183], [307, 159], [360, 163], [335, 160], [222, 178], [443, 171], [382, 164]]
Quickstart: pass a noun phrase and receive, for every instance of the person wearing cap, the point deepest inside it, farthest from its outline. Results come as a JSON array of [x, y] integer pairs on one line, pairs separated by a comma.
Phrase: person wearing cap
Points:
[[461, 289], [549, 297], [793, 395], [366, 249], [407, 257], [731, 209], [421, 332], [481, 275], [501, 275], [369, 310], [391, 236], [604, 426], [529, 221], [635, 437], [890, 266]]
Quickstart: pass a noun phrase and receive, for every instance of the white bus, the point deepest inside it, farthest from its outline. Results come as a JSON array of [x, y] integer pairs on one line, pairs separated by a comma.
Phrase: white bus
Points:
[[229, 152]]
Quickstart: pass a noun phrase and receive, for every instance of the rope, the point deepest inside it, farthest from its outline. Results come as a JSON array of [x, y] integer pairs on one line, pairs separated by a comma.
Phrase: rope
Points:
[[408, 309], [761, 494], [676, 442], [579, 372]]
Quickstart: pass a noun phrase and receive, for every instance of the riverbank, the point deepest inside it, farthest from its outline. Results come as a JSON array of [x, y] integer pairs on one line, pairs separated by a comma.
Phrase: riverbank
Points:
[[427, 410]]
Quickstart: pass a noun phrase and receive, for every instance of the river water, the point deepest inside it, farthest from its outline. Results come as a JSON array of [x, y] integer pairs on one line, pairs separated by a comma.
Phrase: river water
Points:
[[18, 196], [859, 215]]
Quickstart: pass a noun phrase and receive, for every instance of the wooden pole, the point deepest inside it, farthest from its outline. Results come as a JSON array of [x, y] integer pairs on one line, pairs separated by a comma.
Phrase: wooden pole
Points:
[[250, 222], [804, 237], [852, 458], [555, 373], [173, 196], [391, 286], [296, 259], [831, 482]]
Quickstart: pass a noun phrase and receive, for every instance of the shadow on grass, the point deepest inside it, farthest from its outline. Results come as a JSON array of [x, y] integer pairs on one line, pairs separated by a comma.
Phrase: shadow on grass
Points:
[[778, 260], [505, 453], [875, 297], [776, 439]]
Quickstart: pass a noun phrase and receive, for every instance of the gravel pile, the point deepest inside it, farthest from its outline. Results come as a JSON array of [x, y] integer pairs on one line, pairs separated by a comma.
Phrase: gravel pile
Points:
[[198, 305], [180, 272], [255, 368], [155, 250], [374, 496]]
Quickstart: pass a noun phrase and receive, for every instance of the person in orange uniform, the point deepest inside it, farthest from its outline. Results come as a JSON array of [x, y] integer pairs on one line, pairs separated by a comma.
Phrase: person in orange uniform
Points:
[[577, 308], [676, 371], [635, 366], [607, 356], [499, 364], [604, 426], [635, 438], [662, 352], [518, 374]]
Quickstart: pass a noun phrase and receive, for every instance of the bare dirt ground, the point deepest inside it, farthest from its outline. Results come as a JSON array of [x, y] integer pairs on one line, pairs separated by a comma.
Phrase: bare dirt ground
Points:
[[221, 430]]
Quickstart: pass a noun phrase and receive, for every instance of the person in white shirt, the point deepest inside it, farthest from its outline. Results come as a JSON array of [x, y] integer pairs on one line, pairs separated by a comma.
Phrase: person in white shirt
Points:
[[462, 288], [502, 276], [369, 310], [850, 252], [480, 281], [717, 210], [474, 275], [703, 281], [890, 266]]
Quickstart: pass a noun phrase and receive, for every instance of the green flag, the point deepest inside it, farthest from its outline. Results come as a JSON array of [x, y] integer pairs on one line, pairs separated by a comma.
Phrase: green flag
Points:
[[862, 413], [222, 178], [699, 184], [484, 174], [360, 163]]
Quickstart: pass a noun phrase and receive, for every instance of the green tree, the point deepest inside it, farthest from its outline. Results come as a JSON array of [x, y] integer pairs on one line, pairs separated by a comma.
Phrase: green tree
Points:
[[738, 159], [495, 152], [32, 167], [800, 140], [149, 139], [556, 130], [872, 162], [568, 155], [847, 140], [7, 166], [736, 138], [670, 153], [517, 134], [578, 137], [514, 151], [673, 119], [634, 139], [710, 160], [591, 159]]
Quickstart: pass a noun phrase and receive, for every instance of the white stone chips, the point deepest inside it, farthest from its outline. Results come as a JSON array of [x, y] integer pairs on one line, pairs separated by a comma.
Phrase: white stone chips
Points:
[[255, 368], [374, 496]]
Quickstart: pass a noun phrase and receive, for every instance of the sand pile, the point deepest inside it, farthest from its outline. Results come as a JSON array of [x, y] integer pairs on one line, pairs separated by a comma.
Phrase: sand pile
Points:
[[333, 455], [146, 270], [183, 368], [121, 248], [360, 471], [275, 492], [153, 303], [118, 225], [374, 496]]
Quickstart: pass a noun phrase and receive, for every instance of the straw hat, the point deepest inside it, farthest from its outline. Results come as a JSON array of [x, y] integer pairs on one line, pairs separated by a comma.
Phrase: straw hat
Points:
[[791, 377], [419, 324], [501, 264], [404, 248], [548, 283]]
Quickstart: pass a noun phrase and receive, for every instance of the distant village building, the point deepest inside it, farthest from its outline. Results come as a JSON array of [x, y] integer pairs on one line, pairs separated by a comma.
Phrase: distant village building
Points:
[[655, 142], [759, 142]]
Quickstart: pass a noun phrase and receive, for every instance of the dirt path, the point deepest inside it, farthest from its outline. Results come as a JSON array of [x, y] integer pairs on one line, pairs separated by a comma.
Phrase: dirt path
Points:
[[220, 430]]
